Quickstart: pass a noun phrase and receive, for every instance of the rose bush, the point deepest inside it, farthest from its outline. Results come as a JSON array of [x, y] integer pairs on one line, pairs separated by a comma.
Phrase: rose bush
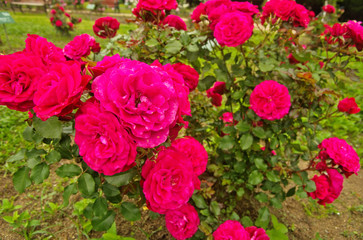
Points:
[[119, 120]]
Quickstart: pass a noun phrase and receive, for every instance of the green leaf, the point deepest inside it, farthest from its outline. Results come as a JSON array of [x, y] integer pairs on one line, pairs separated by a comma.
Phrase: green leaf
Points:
[[276, 235], [226, 142], [192, 48], [52, 128], [214, 208], [173, 47], [262, 197], [278, 226], [39, 173], [100, 207], [206, 83], [112, 193], [310, 186], [130, 211], [68, 170], [296, 178], [105, 222], [53, 157], [86, 184], [21, 179], [260, 164], [263, 218], [152, 42], [68, 191], [18, 156], [273, 176], [266, 66], [199, 201], [243, 126], [255, 177], [246, 221], [291, 192], [121, 179], [259, 132], [246, 141], [240, 192]]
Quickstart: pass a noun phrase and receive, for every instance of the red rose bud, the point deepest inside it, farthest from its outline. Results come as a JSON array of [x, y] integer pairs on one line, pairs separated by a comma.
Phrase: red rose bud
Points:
[[348, 105]]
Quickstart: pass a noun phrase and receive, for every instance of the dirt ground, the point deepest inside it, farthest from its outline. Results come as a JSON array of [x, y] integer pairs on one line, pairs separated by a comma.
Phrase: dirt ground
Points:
[[305, 219]]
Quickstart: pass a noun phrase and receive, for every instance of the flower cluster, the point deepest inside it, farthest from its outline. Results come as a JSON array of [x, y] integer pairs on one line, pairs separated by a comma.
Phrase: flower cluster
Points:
[[270, 100], [287, 11], [169, 180], [62, 20], [328, 8], [232, 229], [348, 34], [40, 78], [153, 10], [216, 93], [231, 22], [336, 158], [106, 27]]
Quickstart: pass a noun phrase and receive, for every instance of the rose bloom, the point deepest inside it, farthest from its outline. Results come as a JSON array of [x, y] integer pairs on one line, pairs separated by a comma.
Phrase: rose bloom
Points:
[[53, 11], [198, 12], [169, 183], [193, 150], [190, 75], [106, 27], [182, 223], [58, 23], [233, 29], [348, 105], [342, 154], [232, 230], [175, 22], [103, 142], [328, 187], [333, 33], [270, 100], [143, 97], [216, 92], [59, 90], [355, 31], [301, 16], [19, 77], [106, 63], [257, 233], [245, 7], [154, 16], [329, 8], [152, 5], [79, 47], [70, 25], [67, 15], [47, 51]]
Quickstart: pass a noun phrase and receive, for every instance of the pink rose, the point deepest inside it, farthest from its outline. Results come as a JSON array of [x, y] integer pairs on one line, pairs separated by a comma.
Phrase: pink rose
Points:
[[106, 63], [79, 47], [169, 181], [257, 233], [106, 27], [70, 25], [231, 229], [355, 31], [182, 223], [348, 105], [103, 142], [270, 100], [19, 77], [79, 20], [151, 5], [58, 23], [59, 90], [198, 12], [193, 150], [342, 154], [53, 11], [143, 97], [47, 51], [190, 75], [233, 29], [67, 15], [216, 92], [301, 16], [154, 16], [328, 187], [329, 8], [175, 22], [245, 7]]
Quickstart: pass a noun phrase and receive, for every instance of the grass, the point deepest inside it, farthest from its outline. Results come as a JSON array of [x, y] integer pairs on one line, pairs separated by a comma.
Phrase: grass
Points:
[[39, 24]]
